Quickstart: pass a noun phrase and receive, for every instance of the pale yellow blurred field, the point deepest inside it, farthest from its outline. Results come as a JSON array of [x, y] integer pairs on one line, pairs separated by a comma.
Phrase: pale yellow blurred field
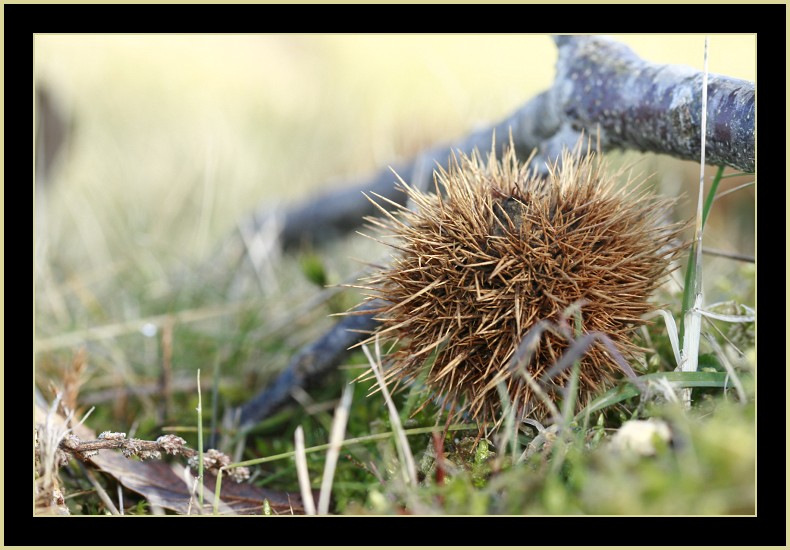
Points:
[[175, 137]]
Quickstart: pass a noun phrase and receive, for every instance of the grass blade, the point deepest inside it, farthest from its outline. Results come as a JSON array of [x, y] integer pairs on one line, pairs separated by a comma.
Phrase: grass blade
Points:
[[335, 442], [410, 468], [301, 472], [712, 194], [356, 441], [200, 442], [629, 389], [692, 293]]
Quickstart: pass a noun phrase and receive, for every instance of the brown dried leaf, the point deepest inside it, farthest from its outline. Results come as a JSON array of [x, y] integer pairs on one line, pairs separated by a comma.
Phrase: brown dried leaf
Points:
[[164, 485]]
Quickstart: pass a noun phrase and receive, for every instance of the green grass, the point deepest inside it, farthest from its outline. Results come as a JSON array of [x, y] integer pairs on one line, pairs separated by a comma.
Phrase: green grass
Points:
[[161, 167]]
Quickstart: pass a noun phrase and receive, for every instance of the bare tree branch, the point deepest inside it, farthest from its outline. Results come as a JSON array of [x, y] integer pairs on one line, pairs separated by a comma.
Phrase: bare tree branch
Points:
[[651, 107], [601, 85], [312, 362]]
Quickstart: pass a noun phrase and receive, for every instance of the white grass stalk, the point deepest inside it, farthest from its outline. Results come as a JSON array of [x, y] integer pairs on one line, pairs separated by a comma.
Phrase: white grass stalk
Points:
[[200, 442], [407, 460], [49, 437], [100, 492], [672, 331], [693, 319], [301, 472], [191, 483], [335, 443], [84, 417], [733, 190], [728, 318], [729, 368]]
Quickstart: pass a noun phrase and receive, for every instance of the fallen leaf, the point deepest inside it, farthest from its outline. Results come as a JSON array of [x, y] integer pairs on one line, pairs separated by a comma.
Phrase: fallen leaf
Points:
[[166, 485]]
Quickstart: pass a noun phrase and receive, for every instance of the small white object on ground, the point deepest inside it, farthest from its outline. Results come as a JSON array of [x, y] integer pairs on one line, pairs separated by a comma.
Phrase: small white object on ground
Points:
[[640, 436]]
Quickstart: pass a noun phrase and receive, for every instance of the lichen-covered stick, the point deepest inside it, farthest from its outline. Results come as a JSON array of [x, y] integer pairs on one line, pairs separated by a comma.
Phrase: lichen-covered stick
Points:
[[601, 86], [312, 361]]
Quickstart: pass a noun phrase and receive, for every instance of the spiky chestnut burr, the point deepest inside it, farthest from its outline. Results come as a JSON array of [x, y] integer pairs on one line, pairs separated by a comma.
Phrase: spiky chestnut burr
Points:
[[501, 250]]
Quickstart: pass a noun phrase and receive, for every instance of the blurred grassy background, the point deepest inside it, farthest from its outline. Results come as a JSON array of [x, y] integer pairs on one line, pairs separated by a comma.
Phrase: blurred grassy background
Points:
[[173, 138]]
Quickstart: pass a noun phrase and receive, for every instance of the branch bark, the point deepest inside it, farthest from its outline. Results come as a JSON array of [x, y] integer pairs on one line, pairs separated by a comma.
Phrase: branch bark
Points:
[[651, 107], [312, 362], [601, 85]]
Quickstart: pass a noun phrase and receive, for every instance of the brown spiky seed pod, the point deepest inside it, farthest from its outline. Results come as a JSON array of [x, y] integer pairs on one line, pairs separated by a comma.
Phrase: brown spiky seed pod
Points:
[[496, 251]]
